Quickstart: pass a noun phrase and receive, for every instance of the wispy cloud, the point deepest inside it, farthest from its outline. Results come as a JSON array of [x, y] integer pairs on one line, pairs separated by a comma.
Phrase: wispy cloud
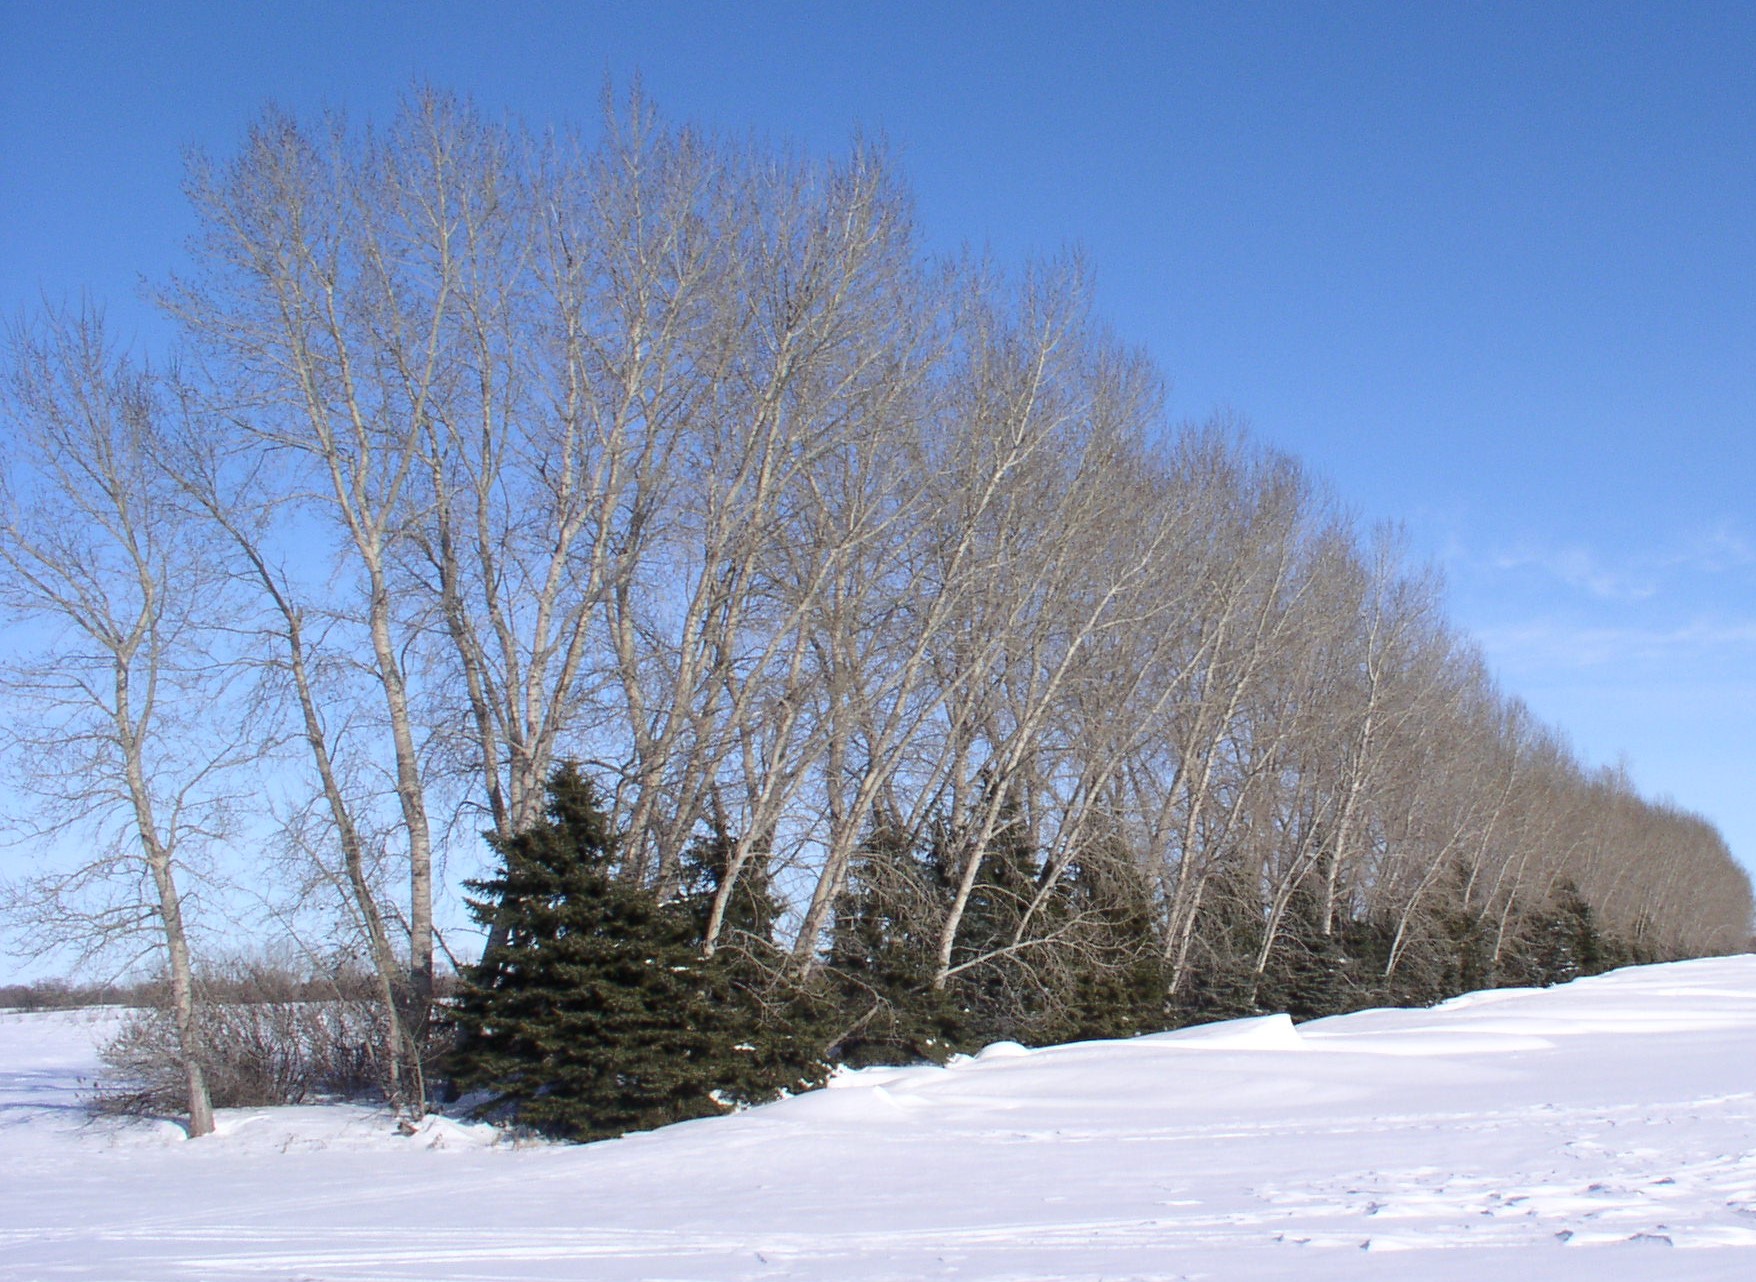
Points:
[[1717, 550], [1549, 643], [1580, 568], [1703, 553]]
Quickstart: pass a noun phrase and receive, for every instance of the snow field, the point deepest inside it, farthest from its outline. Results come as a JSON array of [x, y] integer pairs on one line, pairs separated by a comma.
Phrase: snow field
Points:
[[1602, 1130]]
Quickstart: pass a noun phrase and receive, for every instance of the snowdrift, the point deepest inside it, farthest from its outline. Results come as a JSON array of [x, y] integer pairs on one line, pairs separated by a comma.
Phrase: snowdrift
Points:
[[1601, 1130]]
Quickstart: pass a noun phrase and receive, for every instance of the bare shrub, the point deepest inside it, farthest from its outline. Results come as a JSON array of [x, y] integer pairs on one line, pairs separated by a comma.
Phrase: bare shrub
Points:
[[64, 994], [269, 1038]]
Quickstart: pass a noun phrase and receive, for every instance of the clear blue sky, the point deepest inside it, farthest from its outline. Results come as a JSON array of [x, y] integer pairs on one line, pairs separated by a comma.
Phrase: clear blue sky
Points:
[[1488, 268]]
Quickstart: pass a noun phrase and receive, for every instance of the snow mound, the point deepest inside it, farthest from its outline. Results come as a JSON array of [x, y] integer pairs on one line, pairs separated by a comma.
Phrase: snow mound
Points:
[[1262, 1033]]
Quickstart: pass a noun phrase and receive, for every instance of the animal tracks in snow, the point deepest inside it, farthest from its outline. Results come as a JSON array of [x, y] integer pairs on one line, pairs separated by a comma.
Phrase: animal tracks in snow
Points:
[[1646, 1197]]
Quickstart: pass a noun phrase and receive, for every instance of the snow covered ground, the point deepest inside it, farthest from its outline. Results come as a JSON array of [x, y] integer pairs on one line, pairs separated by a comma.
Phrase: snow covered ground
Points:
[[1603, 1130]]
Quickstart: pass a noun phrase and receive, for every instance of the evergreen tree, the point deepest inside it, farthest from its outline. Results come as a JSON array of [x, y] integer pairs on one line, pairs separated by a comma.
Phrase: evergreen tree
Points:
[[1002, 997], [1312, 974], [780, 1022], [1222, 982], [881, 957], [1558, 943], [1117, 981], [597, 1015]]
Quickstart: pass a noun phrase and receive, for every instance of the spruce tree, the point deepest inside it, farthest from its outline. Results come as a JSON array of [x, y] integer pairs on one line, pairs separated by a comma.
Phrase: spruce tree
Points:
[[598, 1015], [1000, 996], [881, 957], [1117, 981], [776, 1024]]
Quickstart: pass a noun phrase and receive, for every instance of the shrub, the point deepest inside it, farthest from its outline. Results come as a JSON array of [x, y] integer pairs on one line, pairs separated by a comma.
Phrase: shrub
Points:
[[65, 994], [269, 1037]]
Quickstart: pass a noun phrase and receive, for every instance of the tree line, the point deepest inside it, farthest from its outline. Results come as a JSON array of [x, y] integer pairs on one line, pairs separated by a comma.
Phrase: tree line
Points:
[[875, 584]]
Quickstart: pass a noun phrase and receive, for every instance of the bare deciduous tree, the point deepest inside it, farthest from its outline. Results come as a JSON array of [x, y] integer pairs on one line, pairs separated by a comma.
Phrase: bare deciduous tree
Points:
[[120, 722]]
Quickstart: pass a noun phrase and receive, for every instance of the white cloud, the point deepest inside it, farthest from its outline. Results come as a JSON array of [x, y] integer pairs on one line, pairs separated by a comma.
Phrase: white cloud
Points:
[[1579, 567], [1715, 551], [1546, 643], [1690, 559]]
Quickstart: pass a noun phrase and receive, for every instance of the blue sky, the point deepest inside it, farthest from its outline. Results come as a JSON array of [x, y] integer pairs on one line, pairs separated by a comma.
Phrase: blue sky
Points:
[[1489, 269]]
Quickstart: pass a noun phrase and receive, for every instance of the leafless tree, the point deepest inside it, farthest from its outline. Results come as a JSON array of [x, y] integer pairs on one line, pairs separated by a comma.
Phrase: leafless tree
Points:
[[323, 323], [122, 726], [225, 484]]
